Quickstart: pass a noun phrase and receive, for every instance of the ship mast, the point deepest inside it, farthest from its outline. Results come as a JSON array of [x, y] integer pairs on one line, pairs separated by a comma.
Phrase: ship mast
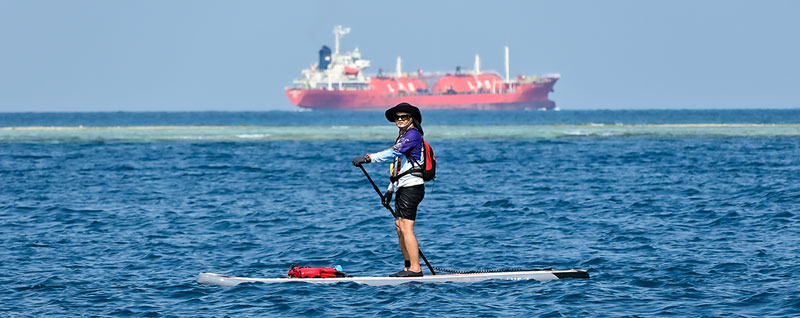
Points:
[[338, 32], [507, 79], [477, 64], [399, 67]]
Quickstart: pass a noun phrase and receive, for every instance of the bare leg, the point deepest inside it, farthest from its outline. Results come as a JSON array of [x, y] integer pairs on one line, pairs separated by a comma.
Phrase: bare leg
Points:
[[408, 242], [400, 239]]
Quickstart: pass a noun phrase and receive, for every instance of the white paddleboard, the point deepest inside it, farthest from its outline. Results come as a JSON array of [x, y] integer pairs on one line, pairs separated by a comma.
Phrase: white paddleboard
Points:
[[540, 275]]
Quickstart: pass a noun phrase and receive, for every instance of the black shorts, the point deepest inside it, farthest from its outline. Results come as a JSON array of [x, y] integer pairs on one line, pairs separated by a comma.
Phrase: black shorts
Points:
[[406, 201]]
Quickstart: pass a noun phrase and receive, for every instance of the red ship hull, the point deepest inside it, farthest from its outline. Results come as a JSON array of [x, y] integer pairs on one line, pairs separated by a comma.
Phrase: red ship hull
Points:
[[524, 96]]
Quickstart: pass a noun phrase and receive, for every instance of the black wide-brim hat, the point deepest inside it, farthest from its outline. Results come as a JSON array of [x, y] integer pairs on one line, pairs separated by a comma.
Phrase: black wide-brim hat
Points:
[[404, 108]]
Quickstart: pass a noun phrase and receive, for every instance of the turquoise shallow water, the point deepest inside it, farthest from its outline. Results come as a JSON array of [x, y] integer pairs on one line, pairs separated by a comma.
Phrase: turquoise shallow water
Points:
[[673, 213], [50, 134]]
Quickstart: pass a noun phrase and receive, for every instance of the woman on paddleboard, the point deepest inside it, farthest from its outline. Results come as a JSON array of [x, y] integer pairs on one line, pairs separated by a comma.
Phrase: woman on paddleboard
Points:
[[406, 180]]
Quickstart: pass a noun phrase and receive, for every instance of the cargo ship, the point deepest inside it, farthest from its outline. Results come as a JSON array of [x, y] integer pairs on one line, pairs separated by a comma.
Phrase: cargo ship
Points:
[[338, 81]]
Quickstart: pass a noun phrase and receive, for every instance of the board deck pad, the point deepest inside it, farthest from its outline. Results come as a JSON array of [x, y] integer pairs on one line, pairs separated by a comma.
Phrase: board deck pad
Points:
[[539, 275]]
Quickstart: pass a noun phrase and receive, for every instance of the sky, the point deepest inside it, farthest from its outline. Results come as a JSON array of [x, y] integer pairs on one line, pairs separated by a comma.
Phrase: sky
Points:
[[198, 55]]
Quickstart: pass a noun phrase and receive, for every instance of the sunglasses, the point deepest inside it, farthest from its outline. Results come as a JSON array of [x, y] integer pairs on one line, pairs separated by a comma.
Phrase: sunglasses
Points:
[[402, 117]]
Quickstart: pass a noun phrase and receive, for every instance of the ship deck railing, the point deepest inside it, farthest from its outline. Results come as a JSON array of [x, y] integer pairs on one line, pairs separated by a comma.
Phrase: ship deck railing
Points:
[[422, 93]]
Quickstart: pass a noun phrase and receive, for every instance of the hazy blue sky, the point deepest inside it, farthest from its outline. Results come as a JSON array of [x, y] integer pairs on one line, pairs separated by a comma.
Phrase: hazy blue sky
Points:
[[239, 55]]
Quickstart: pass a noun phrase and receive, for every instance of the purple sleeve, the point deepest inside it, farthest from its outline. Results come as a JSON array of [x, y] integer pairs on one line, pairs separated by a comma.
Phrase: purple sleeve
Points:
[[409, 141]]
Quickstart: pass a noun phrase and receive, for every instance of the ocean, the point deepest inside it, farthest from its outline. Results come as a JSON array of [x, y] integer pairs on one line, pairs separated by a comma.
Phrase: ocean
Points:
[[683, 213]]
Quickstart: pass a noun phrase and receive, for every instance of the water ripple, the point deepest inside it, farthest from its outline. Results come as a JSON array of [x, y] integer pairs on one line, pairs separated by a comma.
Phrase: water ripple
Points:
[[666, 224]]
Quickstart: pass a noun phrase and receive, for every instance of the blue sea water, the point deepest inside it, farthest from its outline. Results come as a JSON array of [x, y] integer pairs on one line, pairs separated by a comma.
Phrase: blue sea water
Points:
[[673, 213]]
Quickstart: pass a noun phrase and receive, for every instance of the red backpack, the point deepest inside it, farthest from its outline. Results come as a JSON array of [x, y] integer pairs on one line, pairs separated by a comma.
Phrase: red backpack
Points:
[[429, 171], [314, 272]]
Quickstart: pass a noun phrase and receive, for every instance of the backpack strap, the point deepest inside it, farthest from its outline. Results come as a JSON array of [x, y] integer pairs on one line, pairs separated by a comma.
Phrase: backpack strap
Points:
[[415, 168]]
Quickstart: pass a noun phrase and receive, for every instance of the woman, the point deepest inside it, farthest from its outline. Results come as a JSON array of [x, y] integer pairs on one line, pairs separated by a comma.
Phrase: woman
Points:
[[406, 180]]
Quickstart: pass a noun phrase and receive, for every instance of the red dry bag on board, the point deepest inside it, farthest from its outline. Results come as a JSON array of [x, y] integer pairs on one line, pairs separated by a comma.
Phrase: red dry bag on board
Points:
[[314, 272]]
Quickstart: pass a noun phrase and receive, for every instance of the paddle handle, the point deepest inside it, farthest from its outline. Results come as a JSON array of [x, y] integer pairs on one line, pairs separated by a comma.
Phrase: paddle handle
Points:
[[375, 186]]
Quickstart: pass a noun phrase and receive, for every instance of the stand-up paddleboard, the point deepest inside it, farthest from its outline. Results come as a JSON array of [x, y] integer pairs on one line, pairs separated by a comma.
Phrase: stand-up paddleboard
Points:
[[540, 275]]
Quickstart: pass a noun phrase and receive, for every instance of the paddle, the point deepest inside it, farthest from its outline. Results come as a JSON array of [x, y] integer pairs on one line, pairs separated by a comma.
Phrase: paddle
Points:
[[374, 186]]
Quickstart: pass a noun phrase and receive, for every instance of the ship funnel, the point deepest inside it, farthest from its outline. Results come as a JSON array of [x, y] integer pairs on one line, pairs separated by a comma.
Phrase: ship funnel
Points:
[[507, 79], [477, 64], [338, 33], [324, 57], [399, 68]]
